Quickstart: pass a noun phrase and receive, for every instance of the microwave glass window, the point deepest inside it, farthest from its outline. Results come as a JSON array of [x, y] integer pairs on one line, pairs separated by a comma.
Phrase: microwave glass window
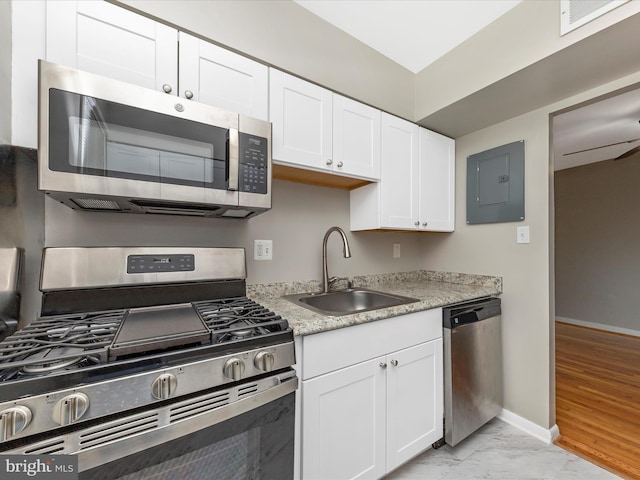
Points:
[[113, 140]]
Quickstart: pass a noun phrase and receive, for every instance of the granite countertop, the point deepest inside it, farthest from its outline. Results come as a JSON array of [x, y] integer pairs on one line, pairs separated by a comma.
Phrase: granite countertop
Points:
[[432, 289]]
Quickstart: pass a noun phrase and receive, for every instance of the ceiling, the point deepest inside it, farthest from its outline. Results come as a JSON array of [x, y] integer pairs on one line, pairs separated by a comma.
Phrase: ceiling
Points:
[[412, 33], [606, 122], [415, 33]]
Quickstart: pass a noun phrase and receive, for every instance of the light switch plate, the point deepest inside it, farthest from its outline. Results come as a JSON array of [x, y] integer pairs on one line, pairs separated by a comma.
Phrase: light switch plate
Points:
[[522, 234], [396, 250], [263, 249]]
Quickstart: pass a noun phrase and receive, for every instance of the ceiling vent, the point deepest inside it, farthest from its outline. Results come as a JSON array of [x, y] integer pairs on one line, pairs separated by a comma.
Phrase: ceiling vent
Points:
[[575, 13]]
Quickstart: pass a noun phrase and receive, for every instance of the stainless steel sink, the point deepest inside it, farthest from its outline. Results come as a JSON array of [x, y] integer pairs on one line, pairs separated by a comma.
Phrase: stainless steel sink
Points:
[[345, 302]]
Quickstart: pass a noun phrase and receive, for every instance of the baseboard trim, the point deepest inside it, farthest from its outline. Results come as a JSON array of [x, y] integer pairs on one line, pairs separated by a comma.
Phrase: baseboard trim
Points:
[[599, 326], [527, 426]]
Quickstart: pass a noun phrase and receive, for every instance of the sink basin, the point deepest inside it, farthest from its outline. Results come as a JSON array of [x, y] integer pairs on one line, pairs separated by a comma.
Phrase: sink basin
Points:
[[345, 302]]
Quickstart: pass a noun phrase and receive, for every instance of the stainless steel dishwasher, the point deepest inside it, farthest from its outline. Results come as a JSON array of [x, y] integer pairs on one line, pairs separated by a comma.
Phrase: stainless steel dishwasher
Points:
[[472, 366]]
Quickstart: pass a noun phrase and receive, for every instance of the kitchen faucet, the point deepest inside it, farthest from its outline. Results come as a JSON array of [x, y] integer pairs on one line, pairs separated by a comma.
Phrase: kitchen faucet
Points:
[[347, 254]]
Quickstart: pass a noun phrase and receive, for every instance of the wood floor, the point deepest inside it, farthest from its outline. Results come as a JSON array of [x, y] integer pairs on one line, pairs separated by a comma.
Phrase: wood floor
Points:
[[598, 397]]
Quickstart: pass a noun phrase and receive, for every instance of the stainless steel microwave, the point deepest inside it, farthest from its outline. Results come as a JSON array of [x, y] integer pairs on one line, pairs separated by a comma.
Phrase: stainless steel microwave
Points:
[[106, 145]]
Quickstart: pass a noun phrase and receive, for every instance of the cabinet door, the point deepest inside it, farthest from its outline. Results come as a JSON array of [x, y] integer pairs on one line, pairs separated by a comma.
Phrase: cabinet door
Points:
[[219, 77], [437, 181], [301, 115], [356, 138], [343, 423], [400, 156], [415, 401], [102, 38]]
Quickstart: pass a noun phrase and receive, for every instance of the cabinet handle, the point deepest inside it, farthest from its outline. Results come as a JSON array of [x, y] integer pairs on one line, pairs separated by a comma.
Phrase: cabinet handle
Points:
[[340, 164], [424, 224], [329, 162], [394, 363], [188, 94], [166, 88], [383, 365], [417, 224]]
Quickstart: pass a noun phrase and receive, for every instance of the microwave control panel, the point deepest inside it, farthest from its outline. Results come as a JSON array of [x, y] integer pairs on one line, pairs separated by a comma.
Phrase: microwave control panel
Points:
[[252, 177]]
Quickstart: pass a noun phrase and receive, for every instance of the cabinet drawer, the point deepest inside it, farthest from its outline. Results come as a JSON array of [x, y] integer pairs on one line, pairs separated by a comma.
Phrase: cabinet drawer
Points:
[[329, 351]]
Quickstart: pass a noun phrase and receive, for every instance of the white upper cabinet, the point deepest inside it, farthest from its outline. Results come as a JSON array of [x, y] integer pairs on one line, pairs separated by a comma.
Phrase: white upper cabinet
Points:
[[416, 191], [301, 115], [356, 138], [219, 77], [400, 183], [316, 129], [437, 182], [101, 38]]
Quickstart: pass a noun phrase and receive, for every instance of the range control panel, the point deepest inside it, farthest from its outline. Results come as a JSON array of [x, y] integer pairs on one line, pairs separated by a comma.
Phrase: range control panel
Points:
[[253, 163], [160, 263]]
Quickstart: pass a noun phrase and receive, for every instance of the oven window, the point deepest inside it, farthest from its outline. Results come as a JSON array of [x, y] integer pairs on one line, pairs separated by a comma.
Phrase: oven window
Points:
[[258, 444], [91, 136]]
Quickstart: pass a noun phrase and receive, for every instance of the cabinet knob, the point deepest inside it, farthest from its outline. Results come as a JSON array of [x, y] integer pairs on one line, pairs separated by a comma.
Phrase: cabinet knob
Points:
[[340, 164], [424, 224], [394, 363], [166, 88], [383, 365], [188, 94], [329, 162], [417, 224]]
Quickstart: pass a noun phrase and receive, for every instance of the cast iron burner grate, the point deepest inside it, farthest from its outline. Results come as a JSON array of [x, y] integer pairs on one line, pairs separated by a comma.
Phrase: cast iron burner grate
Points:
[[234, 319], [58, 343]]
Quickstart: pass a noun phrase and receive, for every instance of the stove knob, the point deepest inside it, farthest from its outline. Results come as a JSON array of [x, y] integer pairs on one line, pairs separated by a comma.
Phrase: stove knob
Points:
[[264, 361], [70, 409], [13, 420], [234, 368], [164, 386]]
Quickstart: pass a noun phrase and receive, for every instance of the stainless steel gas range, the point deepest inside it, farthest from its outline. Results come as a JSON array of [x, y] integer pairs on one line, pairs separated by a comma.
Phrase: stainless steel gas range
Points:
[[151, 362]]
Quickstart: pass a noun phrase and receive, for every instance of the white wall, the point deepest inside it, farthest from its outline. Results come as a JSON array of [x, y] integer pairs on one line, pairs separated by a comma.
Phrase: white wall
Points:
[[300, 216], [5, 72], [523, 37]]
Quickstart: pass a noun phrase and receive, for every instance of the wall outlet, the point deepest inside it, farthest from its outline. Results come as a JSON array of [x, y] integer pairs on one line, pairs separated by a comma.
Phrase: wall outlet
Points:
[[263, 249], [522, 234], [396, 250]]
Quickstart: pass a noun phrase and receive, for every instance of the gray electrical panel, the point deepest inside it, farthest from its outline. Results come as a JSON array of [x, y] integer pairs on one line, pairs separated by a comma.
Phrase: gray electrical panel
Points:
[[495, 184]]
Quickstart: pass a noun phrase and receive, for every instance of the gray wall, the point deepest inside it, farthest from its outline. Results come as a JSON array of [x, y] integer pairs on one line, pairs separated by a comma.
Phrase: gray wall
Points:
[[300, 216], [528, 280], [597, 248], [492, 249]]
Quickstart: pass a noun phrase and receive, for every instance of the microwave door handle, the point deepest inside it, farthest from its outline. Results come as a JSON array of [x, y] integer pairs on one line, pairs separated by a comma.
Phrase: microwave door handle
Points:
[[233, 159]]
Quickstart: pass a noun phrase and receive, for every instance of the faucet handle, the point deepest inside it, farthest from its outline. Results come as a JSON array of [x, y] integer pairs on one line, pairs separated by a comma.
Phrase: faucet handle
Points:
[[333, 280]]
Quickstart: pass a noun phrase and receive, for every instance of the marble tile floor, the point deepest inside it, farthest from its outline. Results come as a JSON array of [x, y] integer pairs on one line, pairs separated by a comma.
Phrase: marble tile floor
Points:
[[499, 451]]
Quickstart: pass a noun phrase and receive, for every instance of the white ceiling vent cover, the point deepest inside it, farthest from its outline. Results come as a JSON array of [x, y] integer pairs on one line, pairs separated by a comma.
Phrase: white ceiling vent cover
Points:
[[575, 13]]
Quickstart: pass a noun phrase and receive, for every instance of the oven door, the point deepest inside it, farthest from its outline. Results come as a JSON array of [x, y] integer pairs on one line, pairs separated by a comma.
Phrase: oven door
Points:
[[103, 137], [252, 438], [244, 431]]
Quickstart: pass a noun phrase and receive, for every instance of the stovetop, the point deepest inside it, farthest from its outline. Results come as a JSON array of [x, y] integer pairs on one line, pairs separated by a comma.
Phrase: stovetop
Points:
[[68, 350]]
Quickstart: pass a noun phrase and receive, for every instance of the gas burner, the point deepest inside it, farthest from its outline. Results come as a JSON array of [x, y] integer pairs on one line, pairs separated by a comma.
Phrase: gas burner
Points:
[[242, 333], [53, 360]]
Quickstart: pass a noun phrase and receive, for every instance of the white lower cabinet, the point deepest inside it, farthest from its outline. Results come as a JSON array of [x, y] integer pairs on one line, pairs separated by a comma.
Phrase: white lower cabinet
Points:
[[365, 418]]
